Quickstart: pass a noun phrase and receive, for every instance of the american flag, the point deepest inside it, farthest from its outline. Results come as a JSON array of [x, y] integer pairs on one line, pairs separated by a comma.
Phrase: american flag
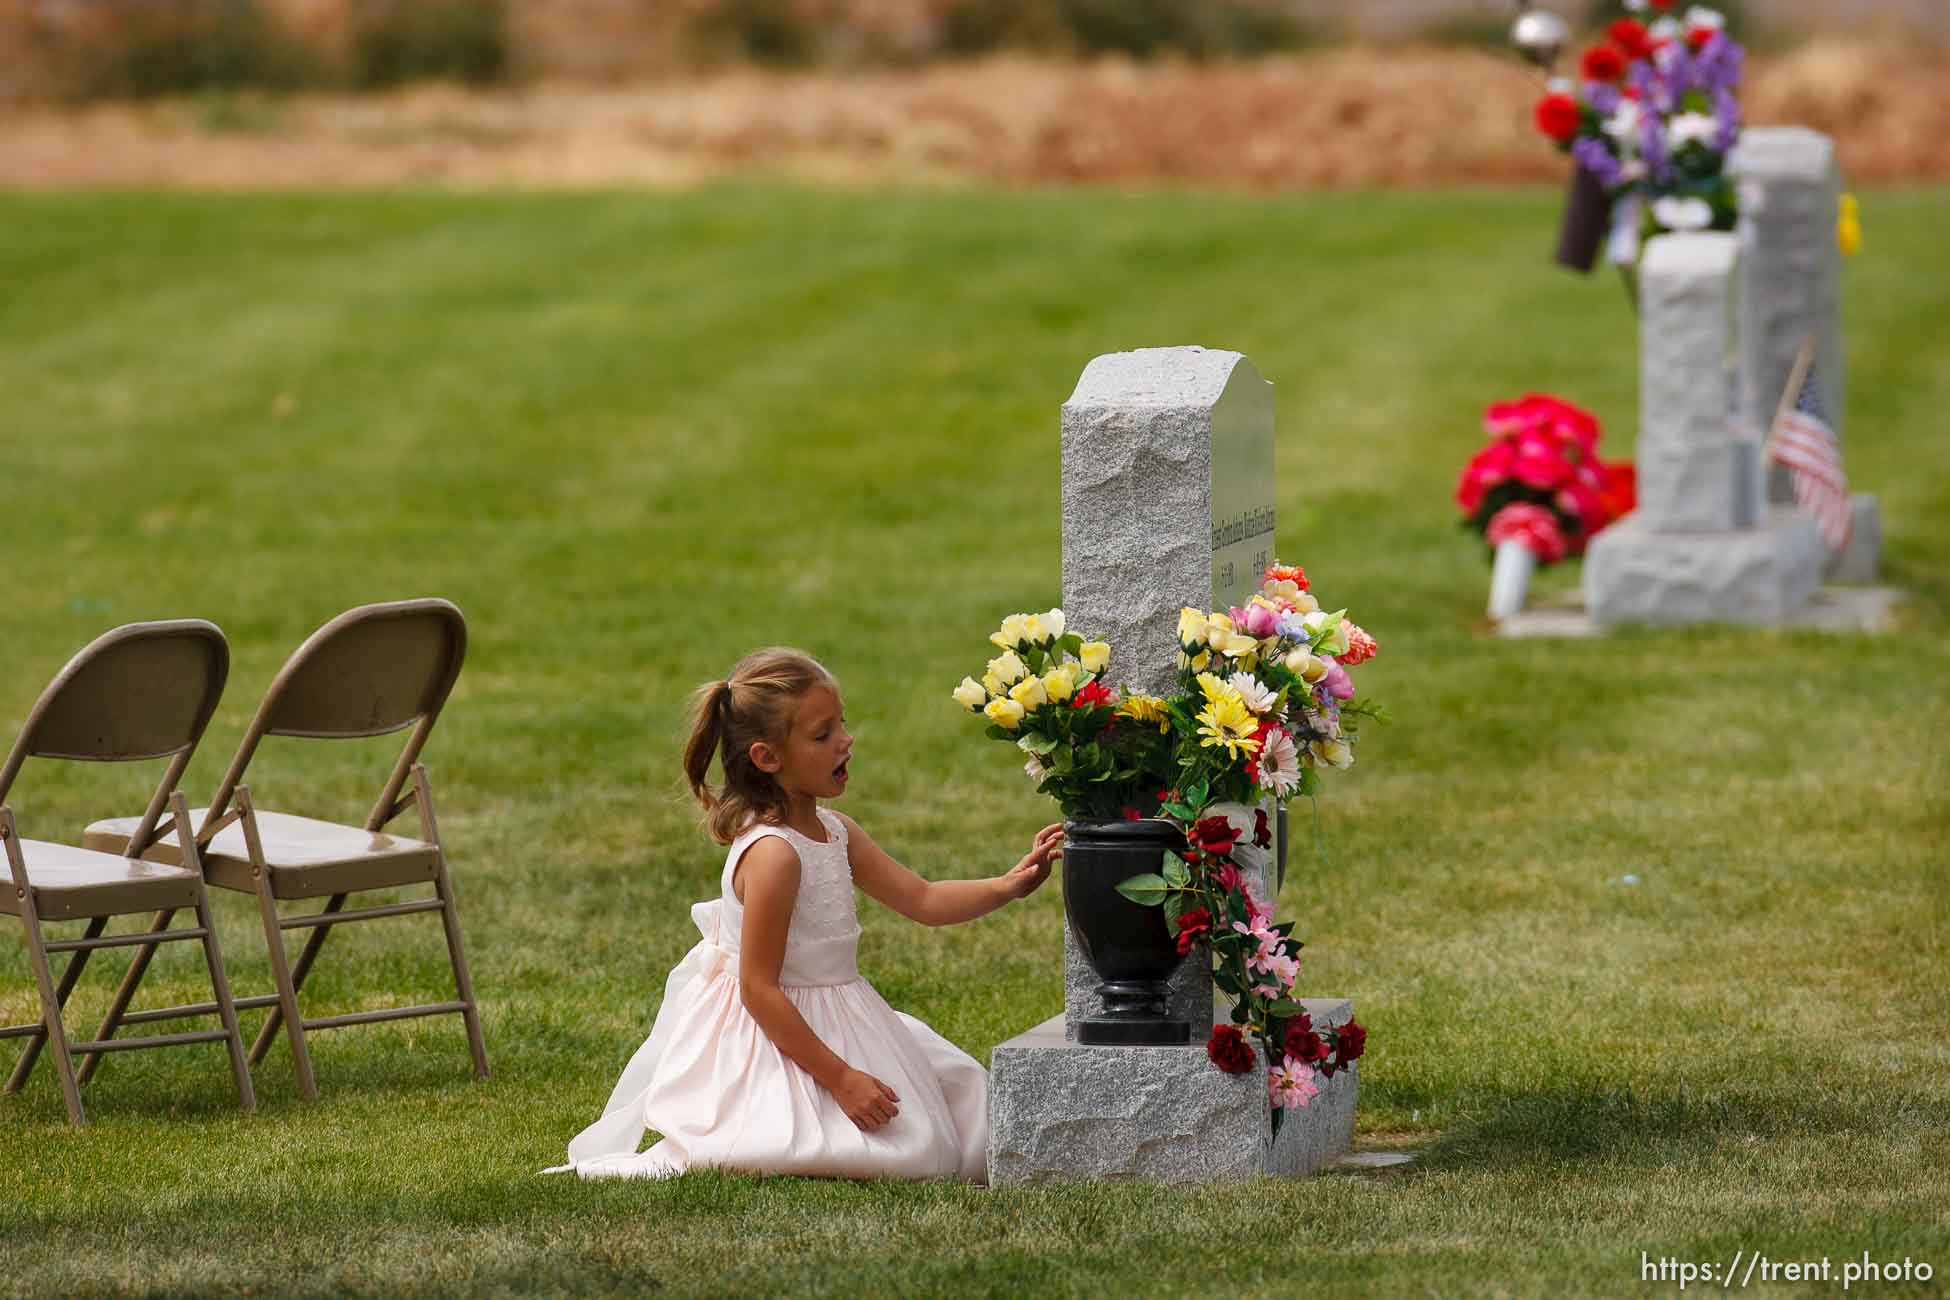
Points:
[[1803, 441]]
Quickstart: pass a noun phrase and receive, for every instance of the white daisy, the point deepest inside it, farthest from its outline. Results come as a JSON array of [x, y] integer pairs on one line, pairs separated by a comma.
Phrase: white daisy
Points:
[[1278, 767], [1253, 692]]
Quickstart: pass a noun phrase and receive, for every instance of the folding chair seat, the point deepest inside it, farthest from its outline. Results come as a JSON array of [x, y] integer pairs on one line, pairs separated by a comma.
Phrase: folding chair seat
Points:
[[307, 858], [371, 671], [143, 691]]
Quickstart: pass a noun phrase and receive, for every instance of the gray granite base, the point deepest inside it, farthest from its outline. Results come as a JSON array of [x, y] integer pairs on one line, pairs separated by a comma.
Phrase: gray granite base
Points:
[[1841, 609], [1758, 575], [1063, 1112], [1861, 560]]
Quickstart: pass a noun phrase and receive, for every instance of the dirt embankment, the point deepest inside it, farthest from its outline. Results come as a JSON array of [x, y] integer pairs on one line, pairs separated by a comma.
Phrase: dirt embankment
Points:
[[1348, 117]]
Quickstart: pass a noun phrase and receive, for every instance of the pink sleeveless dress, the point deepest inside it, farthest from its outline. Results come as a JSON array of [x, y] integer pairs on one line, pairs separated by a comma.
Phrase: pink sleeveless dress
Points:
[[711, 1083]]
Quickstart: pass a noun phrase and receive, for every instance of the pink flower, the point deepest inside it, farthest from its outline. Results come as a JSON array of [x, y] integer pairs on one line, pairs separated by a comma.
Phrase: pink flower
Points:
[[1256, 620], [1533, 525], [1337, 683], [1291, 1084], [1227, 878], [1360, 646]]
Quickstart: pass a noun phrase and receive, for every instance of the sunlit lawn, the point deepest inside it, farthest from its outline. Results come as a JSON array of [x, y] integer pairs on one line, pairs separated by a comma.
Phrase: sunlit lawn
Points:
[[635, 435]]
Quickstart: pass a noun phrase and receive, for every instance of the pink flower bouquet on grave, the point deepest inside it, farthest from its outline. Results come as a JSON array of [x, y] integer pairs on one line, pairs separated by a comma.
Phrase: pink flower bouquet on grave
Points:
[[1264, 701], [1539, 492]]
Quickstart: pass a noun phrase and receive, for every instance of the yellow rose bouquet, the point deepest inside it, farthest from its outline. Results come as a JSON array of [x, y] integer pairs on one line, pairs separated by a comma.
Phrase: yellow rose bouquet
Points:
[[1097, 752]]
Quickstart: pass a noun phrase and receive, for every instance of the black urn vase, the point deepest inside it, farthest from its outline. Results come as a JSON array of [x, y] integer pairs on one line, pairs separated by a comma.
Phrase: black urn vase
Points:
[[1129, 946]]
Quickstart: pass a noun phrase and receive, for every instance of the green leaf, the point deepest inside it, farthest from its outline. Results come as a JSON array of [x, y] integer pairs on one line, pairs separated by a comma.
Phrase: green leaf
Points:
[[1176, 872], [1196, 795], [1146, 890], [1179, 811], [1040, 744], [1284, 1008], [1174, 908]]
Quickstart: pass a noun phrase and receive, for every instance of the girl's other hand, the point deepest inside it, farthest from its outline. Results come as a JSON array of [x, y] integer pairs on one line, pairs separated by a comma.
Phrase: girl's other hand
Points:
[[867, 1101], [1028, 875]]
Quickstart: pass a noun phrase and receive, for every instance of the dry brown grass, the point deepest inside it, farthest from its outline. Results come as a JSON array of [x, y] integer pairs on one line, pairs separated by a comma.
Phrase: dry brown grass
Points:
[[1336, 118]]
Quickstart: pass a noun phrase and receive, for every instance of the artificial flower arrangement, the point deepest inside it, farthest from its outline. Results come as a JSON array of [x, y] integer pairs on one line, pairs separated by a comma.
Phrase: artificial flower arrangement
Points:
[[1652, 116], [1540, 478], [1264, 702]]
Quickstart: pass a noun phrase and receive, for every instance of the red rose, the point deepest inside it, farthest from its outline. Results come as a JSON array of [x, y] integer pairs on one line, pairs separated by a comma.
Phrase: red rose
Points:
[[1619, 490], [1215, 835], [1628, 34], [1351, 1041], [1191, 926], [1662, 4], [1130, 813], [1092, 695], [1307, 1047], [1228, 1049], [1701, 37], [1299, 1032], [1602, 63], [1262, 833], [1558, 117]]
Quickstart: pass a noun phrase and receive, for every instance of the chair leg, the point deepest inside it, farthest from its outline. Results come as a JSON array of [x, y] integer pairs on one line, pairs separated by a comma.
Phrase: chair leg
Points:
[[306, 955], [294, 1024], [450, 919], [226, 1009], [124, 993], [69, 974], [51, 1010]]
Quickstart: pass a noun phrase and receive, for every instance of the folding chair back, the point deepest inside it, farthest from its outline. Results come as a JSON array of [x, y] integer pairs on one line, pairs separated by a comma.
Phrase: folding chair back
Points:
[[141, 691], [370, 671]]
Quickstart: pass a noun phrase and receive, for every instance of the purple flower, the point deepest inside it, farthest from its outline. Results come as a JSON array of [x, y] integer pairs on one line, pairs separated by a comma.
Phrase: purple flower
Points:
[[1602, 96], [1726, 118], [1719, 64], [1595, 157], [1654, 95], [1652, 148], [1676, 69]]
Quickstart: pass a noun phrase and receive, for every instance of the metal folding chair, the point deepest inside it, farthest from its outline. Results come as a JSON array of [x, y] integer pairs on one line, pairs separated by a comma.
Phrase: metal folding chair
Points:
[[143, 691], [371, 671]]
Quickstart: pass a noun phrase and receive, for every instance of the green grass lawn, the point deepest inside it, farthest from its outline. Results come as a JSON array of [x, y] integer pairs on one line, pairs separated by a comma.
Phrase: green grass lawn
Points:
[[636, 435]]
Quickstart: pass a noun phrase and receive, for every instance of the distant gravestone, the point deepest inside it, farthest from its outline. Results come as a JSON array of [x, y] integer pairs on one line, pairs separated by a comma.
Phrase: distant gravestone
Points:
[[1167, 502], [1694, 550], [1790, 287]]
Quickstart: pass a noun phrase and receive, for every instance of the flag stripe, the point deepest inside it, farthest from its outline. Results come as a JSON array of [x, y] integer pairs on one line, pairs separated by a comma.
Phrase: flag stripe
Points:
[[1802, 441]]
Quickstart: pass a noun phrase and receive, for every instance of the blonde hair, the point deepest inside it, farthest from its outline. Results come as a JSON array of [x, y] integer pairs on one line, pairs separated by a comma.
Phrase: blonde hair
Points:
[[754, 703]]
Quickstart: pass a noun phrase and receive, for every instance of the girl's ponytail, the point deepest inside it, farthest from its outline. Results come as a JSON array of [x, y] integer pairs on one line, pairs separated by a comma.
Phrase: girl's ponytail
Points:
[[709, 704], [754, 703]]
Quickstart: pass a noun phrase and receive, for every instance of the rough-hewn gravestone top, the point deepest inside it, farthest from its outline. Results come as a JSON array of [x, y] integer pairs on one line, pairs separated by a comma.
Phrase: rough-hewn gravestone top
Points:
[[1783, 150], [1182, 376]]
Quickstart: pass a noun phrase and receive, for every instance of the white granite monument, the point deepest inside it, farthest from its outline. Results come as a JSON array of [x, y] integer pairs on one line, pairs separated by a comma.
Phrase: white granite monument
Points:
[[1167, 501], [1790, 287], [1704, 544]]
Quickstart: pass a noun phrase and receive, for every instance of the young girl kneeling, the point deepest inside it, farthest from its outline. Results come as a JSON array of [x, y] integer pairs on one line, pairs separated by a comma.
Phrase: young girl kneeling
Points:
[[770, 1053]]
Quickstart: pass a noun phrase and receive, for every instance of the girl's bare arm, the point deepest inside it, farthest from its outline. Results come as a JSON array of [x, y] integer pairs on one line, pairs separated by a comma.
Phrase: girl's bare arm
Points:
[[946, 902]]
